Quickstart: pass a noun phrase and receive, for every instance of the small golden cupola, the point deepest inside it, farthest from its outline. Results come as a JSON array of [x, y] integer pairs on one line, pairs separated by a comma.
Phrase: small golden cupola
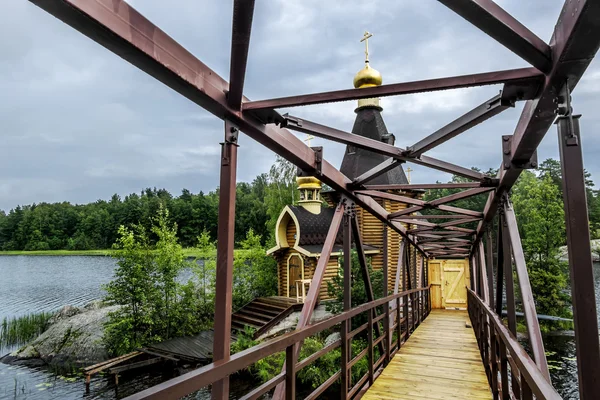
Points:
[[310, 193], [367, 77]]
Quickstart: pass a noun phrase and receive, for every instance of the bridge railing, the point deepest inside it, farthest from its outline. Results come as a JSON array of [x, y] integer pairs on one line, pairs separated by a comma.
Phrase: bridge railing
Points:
[[501, 352], [403, 312]]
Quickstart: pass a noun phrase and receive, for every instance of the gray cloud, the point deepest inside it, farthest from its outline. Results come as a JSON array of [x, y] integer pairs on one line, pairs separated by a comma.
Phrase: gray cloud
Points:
[[79, 123]]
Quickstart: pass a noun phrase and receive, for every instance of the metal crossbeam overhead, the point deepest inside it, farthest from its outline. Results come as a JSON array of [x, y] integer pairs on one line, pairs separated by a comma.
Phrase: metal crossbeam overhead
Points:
[[492, 182], [574, 44], [461, 220], [497, 23], [420, 203], [166, 60], [243, 11], [485, 111], [575, 41], [449, 229], [458, 196], [336, 135], [427, 238], [376, 171], [413, 218], [522, 76]]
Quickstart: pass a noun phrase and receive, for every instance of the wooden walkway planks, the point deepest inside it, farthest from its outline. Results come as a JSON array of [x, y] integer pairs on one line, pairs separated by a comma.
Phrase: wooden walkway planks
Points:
[[440, 360]]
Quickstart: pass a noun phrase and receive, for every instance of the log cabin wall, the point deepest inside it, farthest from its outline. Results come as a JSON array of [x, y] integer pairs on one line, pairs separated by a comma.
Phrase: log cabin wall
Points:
[[310, 264], [372, 234]]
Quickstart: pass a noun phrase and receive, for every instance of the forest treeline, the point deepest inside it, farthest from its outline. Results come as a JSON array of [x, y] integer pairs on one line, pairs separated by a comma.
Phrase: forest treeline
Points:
[[66, 226], [95, 225]]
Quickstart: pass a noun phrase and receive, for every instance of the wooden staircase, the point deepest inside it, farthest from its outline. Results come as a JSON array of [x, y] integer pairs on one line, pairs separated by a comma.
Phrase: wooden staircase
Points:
[[263, 313]]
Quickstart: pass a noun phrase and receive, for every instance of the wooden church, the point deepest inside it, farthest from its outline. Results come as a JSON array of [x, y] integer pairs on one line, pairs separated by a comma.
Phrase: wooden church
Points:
[[301, 229]]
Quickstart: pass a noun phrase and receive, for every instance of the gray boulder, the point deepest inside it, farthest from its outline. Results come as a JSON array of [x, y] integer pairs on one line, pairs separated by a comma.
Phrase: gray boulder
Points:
[[75, 338]]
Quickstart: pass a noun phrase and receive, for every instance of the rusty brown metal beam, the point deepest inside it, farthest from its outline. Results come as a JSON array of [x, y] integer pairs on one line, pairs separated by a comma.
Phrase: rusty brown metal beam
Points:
[[574, 44], [434, 229], [117, 26], [406, 211], [336, 135], [364, 271], [458, 196], [485, 111], [376, 171], [531, 320], [497, 23], [243, 11], [414, 218], [585, 315], [461, 220], [490, 268], [225, 243], [525, 76], [424, 238], [419, 203], [491, 182]]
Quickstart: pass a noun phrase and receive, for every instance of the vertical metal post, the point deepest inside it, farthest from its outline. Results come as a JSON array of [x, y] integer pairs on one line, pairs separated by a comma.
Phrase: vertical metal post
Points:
[[405, 314], [364, 271], [493, 362], [345, 351], [508, 275], [398, 325], [386, 309], [504, 371], [580, 260], [499, 268], [473, 266], [370, 348], [290, 373], [224, 272], [531, 320], [510, 288], [490, 268], [485, 288]]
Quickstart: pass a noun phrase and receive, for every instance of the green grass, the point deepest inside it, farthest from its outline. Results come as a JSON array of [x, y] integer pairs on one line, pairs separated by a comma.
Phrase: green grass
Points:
[[20, 330]]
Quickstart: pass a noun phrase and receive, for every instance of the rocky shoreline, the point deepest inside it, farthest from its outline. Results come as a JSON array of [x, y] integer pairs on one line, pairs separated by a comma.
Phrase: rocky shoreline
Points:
[[73, 339]]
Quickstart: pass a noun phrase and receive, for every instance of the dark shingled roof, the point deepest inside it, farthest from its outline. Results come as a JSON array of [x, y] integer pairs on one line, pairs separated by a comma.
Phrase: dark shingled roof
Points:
[[369, 123], [314, 227]]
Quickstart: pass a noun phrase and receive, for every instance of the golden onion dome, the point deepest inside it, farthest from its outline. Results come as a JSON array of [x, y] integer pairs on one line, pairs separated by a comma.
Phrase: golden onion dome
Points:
[[367, 77], [308, 182]]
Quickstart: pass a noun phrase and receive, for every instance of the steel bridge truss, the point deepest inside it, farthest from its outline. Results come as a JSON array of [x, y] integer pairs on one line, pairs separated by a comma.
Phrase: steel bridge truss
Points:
[[545, 87]]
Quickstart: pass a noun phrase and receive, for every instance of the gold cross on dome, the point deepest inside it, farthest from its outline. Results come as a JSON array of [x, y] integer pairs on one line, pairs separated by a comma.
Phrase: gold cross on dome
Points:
[[408, 171], [365, 39], [308, 139]]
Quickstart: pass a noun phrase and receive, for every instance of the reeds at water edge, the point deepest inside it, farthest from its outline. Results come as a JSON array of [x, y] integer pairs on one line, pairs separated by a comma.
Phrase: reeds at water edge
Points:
[[20, 330]]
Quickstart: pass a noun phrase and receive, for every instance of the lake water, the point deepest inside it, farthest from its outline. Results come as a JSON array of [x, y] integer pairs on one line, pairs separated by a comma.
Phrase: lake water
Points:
[[32, 284]]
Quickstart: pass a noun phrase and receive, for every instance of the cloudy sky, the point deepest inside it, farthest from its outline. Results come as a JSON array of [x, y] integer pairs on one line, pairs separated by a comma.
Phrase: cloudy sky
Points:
[[79, 124]]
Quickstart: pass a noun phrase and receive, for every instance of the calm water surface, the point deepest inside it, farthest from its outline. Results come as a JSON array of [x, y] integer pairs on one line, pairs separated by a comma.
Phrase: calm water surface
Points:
[[32, 284]]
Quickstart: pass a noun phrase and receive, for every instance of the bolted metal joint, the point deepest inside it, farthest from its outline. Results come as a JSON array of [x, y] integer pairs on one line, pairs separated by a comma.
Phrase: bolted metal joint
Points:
[[349, 206], [231, 133], [318, 159], [568, 128], [507, 160]]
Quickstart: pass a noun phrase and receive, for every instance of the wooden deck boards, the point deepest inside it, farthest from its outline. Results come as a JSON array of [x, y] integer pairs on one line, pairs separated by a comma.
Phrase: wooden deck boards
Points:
[[440, 360]]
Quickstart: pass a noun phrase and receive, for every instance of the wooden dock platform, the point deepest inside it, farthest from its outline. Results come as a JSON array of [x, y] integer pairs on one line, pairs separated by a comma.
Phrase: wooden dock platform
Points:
[[440, 360]]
